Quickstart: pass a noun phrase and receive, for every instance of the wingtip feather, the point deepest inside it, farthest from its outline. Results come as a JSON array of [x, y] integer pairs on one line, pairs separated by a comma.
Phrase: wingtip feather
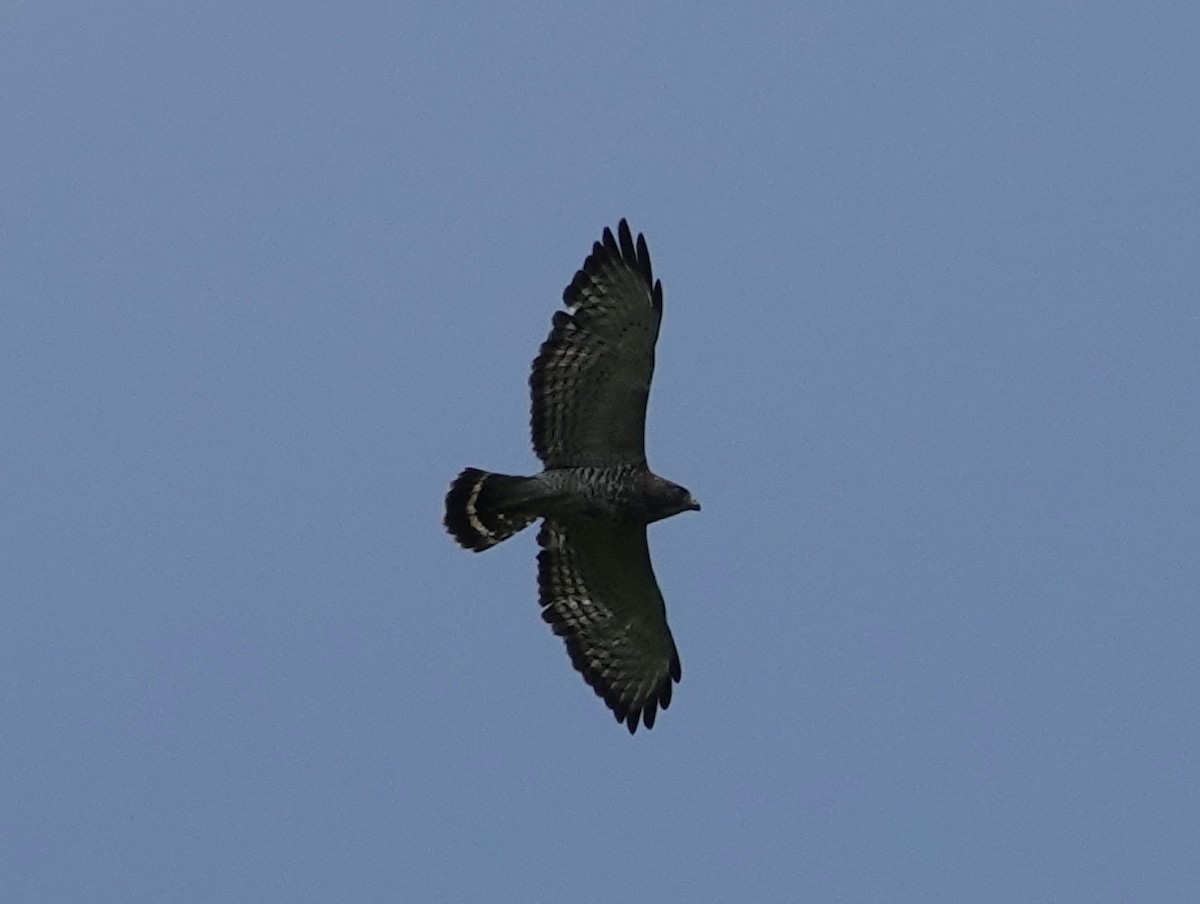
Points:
[[643, 256], [628, 251]]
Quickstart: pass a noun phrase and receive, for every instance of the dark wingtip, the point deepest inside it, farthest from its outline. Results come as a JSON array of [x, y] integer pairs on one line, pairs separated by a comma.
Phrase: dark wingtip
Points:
[[617, 249], [610, 244], [628, 251], [650, 712], [644, 260], [636, 254]]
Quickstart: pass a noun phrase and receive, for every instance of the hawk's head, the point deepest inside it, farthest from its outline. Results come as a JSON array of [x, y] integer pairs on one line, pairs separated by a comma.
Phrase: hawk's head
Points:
[[666, 499]]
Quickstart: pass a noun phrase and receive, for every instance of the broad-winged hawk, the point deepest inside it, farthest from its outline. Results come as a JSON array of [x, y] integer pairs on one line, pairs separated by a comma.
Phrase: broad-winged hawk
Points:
[[596, 494]]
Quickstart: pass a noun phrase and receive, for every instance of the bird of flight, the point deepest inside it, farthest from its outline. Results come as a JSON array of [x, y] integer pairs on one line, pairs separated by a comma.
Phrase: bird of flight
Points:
[[596, 494]]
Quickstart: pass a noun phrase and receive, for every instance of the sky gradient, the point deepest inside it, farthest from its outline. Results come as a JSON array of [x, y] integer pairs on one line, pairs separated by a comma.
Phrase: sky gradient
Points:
[[273, 273]]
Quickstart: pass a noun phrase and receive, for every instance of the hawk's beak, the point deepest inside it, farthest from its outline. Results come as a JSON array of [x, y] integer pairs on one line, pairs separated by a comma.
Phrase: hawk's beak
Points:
[[692, 504]]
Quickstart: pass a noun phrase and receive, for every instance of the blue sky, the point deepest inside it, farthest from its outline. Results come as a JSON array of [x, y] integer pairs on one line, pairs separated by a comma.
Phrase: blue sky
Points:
[[273, 273]]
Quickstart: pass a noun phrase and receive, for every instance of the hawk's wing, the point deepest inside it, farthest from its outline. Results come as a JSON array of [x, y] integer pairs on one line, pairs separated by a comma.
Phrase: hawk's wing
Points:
[[591, 379], [600, 596]]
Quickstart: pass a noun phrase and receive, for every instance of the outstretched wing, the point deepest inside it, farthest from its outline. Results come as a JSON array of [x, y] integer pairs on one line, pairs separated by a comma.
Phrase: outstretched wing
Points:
[[599, 594], [591, 379]]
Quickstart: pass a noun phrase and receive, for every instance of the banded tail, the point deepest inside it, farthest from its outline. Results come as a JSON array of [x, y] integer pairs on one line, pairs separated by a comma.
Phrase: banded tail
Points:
[[480, 508]]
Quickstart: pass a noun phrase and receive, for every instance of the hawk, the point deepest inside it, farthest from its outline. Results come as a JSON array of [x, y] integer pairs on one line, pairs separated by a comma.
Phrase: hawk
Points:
[[596, 494]]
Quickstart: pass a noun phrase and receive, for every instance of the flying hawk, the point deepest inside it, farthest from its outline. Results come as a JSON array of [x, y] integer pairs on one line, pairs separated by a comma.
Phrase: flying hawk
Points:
[[590, 384]]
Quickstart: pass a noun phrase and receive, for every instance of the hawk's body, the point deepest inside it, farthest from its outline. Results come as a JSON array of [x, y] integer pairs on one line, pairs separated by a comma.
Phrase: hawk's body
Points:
[[590, 384]]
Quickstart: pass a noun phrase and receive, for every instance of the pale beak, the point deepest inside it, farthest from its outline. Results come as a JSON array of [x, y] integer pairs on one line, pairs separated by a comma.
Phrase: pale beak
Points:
[[692, 504]]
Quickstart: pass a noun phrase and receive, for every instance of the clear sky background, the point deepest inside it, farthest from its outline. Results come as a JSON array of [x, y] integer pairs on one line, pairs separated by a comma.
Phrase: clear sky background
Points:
[[273, 273]]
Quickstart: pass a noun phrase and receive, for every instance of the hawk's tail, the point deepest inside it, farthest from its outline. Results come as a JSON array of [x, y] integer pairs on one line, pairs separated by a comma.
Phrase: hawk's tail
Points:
[[479, 508]]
